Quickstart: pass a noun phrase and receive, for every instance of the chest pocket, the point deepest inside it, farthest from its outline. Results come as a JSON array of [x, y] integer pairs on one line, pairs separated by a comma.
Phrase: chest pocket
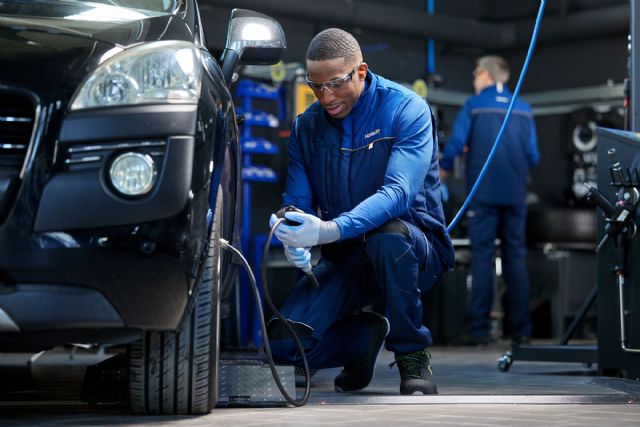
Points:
[[368, 165]]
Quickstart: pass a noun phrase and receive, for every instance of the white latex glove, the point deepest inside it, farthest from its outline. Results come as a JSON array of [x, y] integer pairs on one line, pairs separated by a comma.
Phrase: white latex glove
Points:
[[312, 231], [300, 257]]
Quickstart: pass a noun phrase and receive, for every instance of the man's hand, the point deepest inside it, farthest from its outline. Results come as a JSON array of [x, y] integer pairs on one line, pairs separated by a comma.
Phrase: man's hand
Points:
[[312, 231], [272, 220], [300, 257]]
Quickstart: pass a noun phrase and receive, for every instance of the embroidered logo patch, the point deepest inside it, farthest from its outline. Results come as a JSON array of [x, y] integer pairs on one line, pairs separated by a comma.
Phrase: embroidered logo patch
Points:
[[370, 134]]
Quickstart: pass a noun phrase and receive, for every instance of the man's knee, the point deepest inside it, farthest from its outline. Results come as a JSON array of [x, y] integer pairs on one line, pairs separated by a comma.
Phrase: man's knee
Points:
[[393, 227], [388, 239]]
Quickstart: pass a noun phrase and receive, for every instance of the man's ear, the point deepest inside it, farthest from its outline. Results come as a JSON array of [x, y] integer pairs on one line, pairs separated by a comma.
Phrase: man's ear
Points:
[[362, 70]]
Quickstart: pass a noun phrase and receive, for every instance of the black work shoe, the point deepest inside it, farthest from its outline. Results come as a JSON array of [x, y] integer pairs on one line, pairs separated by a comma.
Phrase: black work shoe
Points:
[[415, 373], [357, 375]]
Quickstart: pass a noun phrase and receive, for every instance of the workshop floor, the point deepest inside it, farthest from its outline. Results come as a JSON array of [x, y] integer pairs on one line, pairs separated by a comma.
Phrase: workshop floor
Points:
[[473, 392]]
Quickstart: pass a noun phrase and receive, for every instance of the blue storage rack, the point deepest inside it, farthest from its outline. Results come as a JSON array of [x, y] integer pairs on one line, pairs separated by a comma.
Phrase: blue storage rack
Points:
[[248, 91]]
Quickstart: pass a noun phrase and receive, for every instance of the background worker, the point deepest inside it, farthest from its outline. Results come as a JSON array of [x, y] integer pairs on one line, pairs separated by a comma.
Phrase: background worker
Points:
[[363, 167], [498, 208]]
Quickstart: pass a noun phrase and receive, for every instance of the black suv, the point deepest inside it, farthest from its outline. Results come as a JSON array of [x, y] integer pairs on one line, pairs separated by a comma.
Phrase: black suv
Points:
[[119, 176]]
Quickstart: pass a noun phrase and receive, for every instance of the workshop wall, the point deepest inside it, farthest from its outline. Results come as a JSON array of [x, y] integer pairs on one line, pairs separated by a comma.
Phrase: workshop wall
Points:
[[555, 65], [575, 64], [561, 66], [397, 58]]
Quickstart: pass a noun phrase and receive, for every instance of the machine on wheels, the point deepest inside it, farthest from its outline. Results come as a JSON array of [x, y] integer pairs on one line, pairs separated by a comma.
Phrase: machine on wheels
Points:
[[618, 291]]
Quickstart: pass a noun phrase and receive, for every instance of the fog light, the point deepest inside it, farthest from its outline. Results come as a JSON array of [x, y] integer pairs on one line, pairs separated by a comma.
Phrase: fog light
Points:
[[133, 174]]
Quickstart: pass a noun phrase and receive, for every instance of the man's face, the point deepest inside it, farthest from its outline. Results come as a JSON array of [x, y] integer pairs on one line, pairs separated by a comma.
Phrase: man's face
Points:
[[337, 83], [481, 79]]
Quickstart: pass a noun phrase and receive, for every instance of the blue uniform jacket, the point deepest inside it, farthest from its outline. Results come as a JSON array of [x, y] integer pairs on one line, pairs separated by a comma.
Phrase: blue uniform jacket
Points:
[[476, 128], [378, 163]]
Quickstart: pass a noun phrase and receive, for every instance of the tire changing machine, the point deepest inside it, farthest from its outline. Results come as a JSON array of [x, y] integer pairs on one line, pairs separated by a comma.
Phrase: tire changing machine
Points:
[[617, 351]]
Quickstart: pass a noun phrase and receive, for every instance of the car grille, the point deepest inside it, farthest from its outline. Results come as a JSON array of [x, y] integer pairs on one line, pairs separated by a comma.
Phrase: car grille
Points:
[[16, 125], [17, 117]]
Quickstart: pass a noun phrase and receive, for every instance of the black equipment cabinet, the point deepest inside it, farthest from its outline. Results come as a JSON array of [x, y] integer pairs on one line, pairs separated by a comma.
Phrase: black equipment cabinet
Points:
[[562, 274], [445, 305], [612, 358]]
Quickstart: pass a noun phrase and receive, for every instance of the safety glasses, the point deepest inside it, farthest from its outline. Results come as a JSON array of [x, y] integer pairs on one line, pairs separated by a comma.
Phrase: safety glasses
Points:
[[332, 85]]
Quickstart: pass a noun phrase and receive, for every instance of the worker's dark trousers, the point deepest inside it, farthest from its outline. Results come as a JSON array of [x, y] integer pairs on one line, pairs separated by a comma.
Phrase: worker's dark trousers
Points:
[[392, 265], [486, 222]]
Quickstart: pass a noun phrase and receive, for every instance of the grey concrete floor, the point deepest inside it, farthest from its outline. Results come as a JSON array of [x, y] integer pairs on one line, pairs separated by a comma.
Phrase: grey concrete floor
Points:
[[361, 415], [473, 392], [471, 376]]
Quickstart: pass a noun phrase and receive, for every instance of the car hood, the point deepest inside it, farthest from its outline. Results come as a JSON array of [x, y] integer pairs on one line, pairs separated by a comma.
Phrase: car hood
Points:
[[49, 57]]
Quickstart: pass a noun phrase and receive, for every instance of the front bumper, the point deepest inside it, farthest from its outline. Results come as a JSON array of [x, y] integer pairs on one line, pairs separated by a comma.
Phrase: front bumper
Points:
[[77, 259], [55, 307], [84, 285], [80, 196]]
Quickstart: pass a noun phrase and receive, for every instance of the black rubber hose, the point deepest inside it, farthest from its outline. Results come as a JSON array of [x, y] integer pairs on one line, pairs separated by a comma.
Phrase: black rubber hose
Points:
[[267, 348]]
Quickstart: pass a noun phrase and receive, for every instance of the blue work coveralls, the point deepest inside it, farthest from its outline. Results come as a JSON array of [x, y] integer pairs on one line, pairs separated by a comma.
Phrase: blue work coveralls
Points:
[[375, 173], [498, 208]]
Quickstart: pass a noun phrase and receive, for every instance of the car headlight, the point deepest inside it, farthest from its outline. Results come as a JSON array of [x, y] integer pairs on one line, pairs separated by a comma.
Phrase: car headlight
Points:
[[157, 72], [133, 174]]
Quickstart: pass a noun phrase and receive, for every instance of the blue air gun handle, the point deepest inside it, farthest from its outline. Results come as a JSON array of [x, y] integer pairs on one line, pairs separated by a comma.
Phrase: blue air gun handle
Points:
[[307, 268]]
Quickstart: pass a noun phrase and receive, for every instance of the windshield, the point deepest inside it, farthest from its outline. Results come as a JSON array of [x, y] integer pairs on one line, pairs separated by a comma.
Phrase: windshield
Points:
[[95, 10]]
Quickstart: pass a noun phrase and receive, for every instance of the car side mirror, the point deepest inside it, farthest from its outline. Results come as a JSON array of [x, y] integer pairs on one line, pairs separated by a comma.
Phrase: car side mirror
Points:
[[252, 38]]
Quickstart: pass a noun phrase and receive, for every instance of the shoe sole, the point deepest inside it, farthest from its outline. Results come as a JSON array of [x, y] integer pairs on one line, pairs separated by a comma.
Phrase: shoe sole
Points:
[[419, 393]]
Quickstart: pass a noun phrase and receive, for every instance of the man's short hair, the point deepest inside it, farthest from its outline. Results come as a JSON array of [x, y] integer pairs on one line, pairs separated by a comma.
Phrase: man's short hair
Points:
[[333, 43], [496, 66]]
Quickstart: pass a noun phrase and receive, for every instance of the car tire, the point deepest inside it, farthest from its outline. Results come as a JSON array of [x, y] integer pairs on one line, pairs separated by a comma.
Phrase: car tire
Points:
[[177, 372]]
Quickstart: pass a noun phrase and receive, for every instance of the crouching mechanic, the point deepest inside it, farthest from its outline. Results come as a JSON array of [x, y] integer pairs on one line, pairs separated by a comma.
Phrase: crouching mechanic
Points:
[[363, 158]]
